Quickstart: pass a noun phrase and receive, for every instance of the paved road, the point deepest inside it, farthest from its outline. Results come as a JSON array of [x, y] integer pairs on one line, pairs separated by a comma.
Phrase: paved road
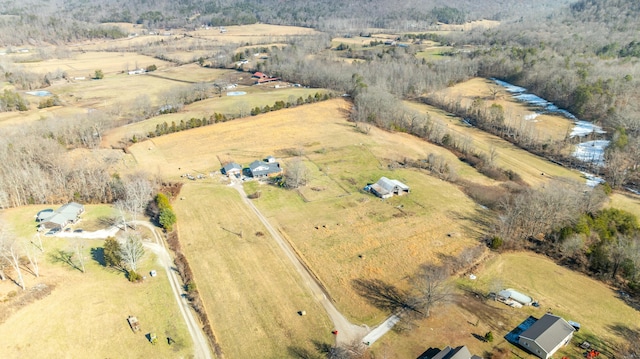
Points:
[[200, 342], [347, 332]]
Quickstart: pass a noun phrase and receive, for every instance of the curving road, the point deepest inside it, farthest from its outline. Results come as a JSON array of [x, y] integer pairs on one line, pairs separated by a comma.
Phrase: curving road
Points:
[[348, 333], [200, 342]]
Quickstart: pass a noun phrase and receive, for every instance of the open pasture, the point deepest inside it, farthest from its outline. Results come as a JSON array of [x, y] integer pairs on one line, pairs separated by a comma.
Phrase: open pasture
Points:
[[544, 126], [394, 236], [251, 291], [254, 34], [533, 169], [84, 64], [256, 96], [85, 313]]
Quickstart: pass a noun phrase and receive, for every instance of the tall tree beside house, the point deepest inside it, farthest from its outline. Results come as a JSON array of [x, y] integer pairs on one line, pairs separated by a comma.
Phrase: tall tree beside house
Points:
[[9, 252]]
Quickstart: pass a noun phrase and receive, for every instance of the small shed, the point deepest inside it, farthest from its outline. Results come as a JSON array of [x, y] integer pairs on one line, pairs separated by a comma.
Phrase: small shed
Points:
[[134, 323]]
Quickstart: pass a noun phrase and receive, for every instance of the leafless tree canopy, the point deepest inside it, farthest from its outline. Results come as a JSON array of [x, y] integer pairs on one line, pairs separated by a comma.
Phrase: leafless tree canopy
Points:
[[132, 251]]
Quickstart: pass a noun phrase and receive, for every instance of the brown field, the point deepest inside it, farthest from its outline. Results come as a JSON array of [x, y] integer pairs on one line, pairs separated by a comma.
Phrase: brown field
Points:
[[85, 314], [255, 34], [533, 169], [251, 291], [392, 237], [85, 64], [229, 105], [544, 127]]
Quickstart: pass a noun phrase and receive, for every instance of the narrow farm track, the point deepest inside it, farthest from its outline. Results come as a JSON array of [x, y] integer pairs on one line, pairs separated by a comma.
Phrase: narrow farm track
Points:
[[200, 342], [347, 332]]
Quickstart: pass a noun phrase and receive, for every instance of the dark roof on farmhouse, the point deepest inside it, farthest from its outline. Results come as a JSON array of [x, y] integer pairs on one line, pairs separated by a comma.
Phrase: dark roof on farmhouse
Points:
[[231, 166], [261, 168], [458, 353], [548, 331]]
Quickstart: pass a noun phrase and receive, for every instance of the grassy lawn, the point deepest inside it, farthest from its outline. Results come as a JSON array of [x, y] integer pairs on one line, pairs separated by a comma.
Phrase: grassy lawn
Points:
[[85, 314], [251, 291]]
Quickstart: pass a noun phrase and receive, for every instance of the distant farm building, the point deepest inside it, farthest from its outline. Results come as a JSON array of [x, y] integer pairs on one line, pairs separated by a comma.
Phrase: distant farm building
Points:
[[546, 336], [137, 72], [461, 352], [61, 217], [231, 169], [261, 78], [386, 188], [266, 168], [514, 298]]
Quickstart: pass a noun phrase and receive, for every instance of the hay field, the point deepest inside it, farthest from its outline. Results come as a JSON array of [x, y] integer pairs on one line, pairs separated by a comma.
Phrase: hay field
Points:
[[315, 127], [254, 34], [230, 105], [546, 126], [250, 289], [85, 314], [85, 64], [533, 169], [358, 223]]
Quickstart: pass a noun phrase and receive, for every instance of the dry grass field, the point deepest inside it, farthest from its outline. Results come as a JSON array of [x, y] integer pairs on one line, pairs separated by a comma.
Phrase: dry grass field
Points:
[[533, 169], [546, 126], [251, 291], [84, 64], [229, 105], [254, 34], [85, 314], [358, 236]]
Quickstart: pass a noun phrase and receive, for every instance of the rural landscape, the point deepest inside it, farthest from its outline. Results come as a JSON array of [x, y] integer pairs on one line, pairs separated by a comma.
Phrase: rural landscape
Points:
[[372, 179]]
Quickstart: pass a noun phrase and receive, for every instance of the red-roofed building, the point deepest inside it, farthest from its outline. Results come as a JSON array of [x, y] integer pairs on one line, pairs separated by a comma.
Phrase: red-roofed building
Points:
[[262, 78]]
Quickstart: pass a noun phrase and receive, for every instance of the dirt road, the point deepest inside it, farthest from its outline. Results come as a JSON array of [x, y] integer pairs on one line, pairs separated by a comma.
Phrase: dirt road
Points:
[[347, 332], [200, 342]]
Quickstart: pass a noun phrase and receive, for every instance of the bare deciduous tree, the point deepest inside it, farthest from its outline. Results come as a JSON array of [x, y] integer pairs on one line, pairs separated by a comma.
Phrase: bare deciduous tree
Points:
[[78, 249], [132, 251], [32, 256], [138, 191], [430, 289], [296, 174], [10, 252]]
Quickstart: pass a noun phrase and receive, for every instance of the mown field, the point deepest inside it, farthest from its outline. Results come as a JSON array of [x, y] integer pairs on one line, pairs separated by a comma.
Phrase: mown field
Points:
[[251, 291], [85, 313]]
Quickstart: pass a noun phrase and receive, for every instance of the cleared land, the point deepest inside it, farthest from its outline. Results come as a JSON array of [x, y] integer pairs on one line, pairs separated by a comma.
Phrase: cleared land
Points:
[[543, 127], [84, 64], [256, 96], [85, 314], [533, 169], [250, 290]]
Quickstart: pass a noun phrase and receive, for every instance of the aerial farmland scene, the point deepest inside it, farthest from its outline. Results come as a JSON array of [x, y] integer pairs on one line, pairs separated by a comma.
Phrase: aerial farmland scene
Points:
[[366, 179]]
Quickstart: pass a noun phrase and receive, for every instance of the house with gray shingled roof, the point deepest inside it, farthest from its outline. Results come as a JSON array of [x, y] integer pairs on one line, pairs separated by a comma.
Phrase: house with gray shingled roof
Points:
[[259, 169], [461, 352], [61, 217], [546, 336]]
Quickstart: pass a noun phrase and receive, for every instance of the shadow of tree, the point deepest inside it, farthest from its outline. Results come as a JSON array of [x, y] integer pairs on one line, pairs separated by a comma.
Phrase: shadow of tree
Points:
[[62, 256], [302, 353], [107, 221], [631, 336], [382, 295], [97, 254]]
